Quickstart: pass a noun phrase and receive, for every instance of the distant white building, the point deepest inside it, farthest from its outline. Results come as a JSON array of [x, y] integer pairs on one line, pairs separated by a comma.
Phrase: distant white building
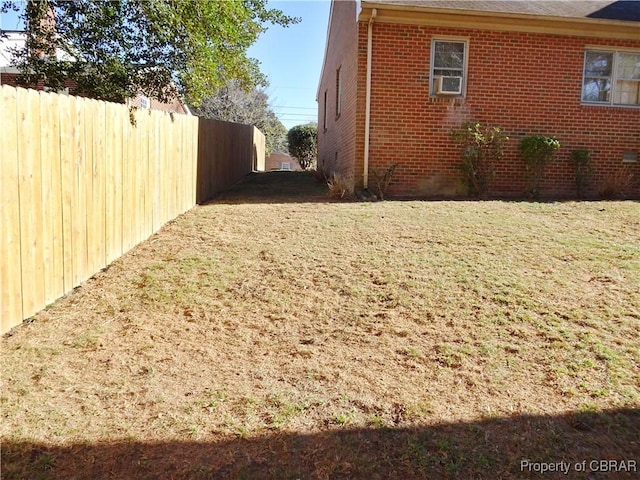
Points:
[[282, 161], [14, 40]]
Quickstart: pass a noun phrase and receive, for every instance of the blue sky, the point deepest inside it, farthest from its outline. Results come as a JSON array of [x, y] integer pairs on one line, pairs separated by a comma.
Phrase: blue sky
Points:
[[291, 58]]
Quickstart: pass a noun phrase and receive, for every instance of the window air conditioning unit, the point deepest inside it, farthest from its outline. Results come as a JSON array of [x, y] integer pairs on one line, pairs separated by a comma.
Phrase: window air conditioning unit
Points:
[[449, 85]]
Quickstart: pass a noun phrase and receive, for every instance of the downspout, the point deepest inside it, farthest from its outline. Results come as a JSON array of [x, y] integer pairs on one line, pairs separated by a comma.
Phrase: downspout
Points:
[[367, 108]]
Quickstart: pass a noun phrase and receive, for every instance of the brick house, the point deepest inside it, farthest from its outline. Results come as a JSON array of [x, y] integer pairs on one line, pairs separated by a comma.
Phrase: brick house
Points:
[[282, 161], [399, 75], [9, 76]]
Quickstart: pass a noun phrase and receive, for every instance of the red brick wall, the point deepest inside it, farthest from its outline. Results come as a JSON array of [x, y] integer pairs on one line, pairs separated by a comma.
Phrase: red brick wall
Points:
[[12, 80], [9, 79], [276, 158], [522, 82], [336, 144]]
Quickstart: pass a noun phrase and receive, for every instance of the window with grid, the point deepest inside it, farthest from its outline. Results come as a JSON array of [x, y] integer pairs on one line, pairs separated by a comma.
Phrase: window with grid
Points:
[[448, 67], [611, 77]]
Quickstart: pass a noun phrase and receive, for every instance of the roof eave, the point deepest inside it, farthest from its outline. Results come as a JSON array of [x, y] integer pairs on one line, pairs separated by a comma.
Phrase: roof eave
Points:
[[416, 15], [326, 49]]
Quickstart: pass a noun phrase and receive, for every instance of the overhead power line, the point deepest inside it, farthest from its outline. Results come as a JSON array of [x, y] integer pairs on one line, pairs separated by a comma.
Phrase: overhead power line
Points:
[[293, 114], [294, 108]]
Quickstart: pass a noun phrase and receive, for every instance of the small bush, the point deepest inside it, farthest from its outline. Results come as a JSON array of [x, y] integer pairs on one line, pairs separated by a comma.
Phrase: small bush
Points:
[[581, 160], [322, 173], [481, 146], [537, 151], [338, 186], [382, 179], [618, 184]]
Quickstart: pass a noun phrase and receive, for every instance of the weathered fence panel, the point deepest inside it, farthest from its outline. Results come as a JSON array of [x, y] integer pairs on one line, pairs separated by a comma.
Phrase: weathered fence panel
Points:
[[226, 152], [80, 185]]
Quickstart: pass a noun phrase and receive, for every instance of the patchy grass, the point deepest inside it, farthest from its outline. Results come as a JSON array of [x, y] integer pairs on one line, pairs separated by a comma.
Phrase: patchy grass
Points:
[[258, 337]]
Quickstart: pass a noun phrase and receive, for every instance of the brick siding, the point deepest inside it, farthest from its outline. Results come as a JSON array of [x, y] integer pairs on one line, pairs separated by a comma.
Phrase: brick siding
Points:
[[524, 83], [274, 161], [336, 145], [12, 80]]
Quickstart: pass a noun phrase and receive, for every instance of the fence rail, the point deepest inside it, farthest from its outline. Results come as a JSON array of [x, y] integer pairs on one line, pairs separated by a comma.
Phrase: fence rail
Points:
[[80, 185]]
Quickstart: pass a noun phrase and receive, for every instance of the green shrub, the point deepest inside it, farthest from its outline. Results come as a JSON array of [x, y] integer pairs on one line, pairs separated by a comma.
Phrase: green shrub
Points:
[[537, 151], [480, 147], [581, 160]]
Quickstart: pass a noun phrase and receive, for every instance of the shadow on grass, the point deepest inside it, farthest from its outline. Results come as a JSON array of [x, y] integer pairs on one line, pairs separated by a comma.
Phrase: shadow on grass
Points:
[[275, 187], [496, 448], [303, 187]]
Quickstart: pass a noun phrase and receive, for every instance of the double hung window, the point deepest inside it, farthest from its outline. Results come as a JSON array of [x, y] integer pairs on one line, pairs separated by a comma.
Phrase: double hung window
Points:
[[448, 67], [611, 77]]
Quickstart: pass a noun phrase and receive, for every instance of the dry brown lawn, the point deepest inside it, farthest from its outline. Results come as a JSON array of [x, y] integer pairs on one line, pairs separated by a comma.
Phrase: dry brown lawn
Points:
[[274, 334]]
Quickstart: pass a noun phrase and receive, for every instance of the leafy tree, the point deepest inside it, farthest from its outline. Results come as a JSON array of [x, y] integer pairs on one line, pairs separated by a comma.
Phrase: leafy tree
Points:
[[303, 144], [232, 103], [115, 49]]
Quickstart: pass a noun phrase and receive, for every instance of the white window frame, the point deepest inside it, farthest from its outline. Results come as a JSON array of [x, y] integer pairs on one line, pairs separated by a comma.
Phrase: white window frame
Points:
[[324, 112], [615, 52], [465, 67], [338, 92], [145, 102]]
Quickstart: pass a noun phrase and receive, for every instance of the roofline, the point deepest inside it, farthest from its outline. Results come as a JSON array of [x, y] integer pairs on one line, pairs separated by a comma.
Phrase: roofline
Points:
[[326, 49], [504, 21]]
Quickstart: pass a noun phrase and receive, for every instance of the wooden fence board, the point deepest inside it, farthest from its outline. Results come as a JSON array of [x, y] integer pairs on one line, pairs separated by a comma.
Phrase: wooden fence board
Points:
[[143, 155], [165, 174], [99, 187], [79, 193], [46, 235], [56, 200], [181, 172], [80, 185], [189, 198], [52, 197], [10, 269], [170, 173], [154, 171], [110, 185], [138, 161], [120, 118], [30, 202], [67, 172], [128, 189], [134, 198], [90, 180]]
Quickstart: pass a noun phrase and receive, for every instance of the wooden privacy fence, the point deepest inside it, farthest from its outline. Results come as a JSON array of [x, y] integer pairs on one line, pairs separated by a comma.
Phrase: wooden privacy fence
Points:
[[80, 185], [229, 140]]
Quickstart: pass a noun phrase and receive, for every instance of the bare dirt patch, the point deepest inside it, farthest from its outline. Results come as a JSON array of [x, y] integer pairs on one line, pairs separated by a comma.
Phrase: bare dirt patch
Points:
[[261, 337]]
